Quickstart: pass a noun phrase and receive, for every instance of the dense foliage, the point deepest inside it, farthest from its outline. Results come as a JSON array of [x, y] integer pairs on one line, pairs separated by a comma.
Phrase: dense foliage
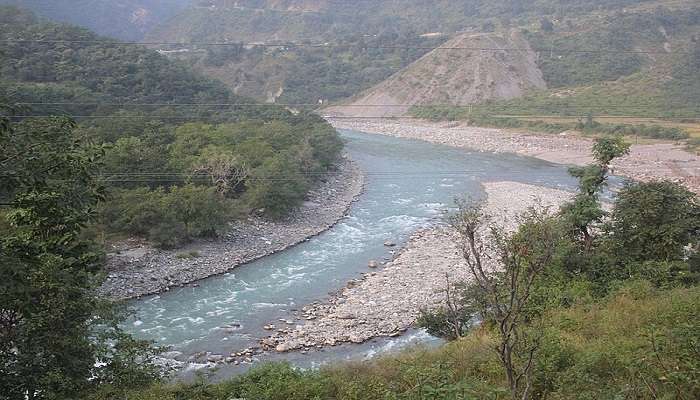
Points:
[[258, 20], [172, 185], [171, 177], [58, 340]]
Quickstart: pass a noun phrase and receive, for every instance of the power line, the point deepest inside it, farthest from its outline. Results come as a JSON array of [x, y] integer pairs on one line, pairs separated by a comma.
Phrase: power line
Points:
[[299, 105], [332, 117], [341, 46]]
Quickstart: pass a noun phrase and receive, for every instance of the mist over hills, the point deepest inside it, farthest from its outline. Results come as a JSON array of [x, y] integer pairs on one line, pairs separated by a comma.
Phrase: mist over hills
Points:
[[121, 19]]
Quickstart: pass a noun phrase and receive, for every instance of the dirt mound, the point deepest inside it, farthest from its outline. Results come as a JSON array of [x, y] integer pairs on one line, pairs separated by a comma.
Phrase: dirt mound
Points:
[[458, 72]]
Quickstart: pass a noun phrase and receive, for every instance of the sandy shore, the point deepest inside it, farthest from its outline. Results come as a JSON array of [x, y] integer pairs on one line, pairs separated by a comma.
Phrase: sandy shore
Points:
[[645, 162], [387, 302], [139, 270]]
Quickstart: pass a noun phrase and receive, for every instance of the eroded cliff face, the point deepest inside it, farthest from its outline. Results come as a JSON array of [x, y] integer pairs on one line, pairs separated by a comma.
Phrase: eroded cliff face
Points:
[[456, 73]]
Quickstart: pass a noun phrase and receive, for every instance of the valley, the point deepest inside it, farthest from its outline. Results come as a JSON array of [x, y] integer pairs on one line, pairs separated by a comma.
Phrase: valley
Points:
[[349, 200]]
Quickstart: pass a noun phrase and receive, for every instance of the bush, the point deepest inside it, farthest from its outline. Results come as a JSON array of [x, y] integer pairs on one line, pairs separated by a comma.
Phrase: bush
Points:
[[624, 345], [169, 217], [654, 221], [648, 131]]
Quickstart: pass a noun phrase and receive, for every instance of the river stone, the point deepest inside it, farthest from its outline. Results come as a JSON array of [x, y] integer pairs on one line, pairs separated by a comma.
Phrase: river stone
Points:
[[373, 264], [282, 347], [356, 339], [346, 316], [172, 354], [215, 358]]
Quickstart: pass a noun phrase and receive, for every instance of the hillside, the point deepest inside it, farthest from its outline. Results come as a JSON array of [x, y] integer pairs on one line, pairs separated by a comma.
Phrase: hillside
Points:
[[449, 76], [291, 20], [638, 62], [309, 74], [160, 149], [402, 30], [122, 19]]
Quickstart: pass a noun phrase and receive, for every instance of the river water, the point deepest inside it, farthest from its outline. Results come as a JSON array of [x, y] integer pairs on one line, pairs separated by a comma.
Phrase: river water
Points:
[[410, 184]]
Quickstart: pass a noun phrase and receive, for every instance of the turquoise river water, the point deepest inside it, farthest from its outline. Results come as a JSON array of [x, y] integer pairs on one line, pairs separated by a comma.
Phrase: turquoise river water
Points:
[[410, 184]]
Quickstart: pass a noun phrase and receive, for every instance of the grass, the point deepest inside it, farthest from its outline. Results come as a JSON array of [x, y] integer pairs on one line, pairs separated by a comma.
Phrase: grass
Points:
[[692, 128], [619, 347]]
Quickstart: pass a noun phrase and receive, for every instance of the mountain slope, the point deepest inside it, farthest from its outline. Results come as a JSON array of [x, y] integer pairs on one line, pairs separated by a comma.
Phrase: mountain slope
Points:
[[97, 78], [454, 76], [122, 19], [292, 20]]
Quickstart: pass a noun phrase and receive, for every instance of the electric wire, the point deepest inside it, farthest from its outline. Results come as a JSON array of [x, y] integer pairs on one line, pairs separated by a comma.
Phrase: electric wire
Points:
[[345, 46]]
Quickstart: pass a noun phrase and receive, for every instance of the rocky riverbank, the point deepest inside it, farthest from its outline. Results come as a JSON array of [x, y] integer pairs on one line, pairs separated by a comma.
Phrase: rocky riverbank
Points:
[[386, 302], [645, 162], [136, 270]]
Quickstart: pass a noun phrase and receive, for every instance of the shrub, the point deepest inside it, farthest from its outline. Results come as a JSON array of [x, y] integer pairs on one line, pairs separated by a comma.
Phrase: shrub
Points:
[[169, 217]]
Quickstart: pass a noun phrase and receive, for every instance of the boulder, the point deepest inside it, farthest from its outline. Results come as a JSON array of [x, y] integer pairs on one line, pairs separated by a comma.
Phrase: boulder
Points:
[[282, 347], [215, 358]]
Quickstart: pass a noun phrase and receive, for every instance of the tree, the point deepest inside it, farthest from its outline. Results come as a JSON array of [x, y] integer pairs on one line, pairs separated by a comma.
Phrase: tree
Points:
[[454, 318], [505, 269], [654, 228], [54, 331], [225, 170], [585, 210]]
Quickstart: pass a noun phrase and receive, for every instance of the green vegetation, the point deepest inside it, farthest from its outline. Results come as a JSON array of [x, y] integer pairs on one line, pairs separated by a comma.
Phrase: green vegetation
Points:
[[589, 305], [480, 116], [261, 20], [622, 345], [170, 176], [308, 74], [638, 63], [207, 175], [58, 340]]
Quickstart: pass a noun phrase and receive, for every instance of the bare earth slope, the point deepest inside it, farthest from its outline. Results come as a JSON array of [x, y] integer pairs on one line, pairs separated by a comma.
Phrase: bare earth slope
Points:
[[448, 76]]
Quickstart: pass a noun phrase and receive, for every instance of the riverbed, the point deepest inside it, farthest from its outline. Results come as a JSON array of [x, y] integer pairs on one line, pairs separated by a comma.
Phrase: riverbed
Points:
[[409, 185]]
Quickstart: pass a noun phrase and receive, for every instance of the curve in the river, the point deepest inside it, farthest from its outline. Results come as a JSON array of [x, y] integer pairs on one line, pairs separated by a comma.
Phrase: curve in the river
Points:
[[409, 184]]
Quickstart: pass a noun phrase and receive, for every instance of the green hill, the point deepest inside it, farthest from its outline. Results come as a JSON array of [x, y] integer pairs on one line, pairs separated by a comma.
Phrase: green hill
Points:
[[556, 28], [161, 150]]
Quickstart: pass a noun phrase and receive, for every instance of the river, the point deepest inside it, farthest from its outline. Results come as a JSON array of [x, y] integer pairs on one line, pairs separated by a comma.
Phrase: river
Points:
[[409, 185]]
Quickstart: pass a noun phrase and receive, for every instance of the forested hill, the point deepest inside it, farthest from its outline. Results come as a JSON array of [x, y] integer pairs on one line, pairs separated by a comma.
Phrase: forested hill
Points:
[[91, 71], [252, 20], [168, 132], [123, 19], [375, 39], [83, 70]]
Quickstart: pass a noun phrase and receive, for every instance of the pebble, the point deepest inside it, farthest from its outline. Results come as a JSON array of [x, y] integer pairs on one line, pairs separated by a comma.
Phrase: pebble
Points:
[[387, 302]]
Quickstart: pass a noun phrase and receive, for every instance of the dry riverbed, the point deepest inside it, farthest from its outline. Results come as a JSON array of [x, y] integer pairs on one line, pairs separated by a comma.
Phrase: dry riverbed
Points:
[[645, 162], [139, 270], [386, 302]]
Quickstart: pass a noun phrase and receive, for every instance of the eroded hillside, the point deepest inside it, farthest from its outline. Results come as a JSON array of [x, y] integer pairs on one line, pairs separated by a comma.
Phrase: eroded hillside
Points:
[[458, 72]]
